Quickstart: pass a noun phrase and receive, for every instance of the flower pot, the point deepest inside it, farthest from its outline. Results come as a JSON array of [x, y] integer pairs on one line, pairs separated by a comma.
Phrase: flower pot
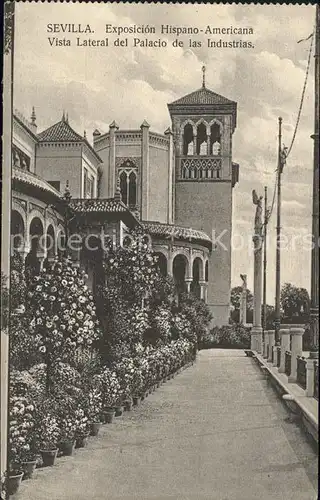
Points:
[[136, 400], [108, 416], [14, 482], [128, 405], [118, 411], [28, 468], [142, 397], [82, 441], [48, 457], [67, 447], [158, 385], [95, 428]]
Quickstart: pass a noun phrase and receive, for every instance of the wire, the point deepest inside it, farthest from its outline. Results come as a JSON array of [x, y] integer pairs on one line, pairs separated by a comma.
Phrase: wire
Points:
[[296, 126], [302, 97]]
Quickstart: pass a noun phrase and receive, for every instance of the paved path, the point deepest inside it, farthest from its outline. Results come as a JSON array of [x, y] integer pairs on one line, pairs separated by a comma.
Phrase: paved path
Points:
[[217, 431]]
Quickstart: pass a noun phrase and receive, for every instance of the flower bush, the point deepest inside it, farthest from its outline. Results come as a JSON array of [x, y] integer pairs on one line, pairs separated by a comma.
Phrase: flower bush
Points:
[[237, 336], [95, 404], [63, 311], [21, 430], [110, 388], [47, 430]]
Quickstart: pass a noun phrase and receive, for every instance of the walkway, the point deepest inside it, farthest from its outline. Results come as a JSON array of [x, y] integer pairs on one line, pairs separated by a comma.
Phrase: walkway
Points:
[[217, 431]]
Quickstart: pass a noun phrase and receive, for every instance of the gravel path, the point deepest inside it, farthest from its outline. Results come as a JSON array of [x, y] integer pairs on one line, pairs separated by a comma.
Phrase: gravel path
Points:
[[217, 431]]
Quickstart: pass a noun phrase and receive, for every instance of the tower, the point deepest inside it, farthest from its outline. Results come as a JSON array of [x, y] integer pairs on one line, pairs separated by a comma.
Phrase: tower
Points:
[[203, 123]]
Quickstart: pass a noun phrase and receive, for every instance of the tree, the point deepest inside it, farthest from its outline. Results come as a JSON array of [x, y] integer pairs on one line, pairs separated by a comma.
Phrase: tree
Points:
[[236, 298], [236, 301], [295, 301]]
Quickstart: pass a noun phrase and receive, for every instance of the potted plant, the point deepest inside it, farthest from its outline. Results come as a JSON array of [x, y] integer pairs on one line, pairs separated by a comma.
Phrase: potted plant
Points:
[[82, 431], [128, 403], [48, 435], [95, 410], [21, 427]]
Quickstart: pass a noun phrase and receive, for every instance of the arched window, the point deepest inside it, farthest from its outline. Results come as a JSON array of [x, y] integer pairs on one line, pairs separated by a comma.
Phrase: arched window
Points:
[[50, 242], [17, 230], [188, 140], [202, 139], [127, 174], [132, 190], [215, 140], [124, 187]]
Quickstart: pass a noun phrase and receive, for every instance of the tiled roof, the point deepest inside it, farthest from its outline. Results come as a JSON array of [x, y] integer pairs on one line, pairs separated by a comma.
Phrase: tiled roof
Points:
[[60, 131], [33, 180], [178, 232], [98, 205], [201, 96]]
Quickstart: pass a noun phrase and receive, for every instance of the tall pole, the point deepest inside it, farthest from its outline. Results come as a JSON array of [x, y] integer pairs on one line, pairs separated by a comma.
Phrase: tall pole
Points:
[[278, 240], [314, 310], [264, 299]]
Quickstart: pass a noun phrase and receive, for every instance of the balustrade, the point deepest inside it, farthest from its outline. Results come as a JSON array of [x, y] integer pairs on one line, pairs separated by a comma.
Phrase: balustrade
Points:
[[316, 381]]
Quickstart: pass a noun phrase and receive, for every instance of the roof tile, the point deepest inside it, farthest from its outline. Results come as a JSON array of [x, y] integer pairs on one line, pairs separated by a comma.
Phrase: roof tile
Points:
[[201, 96], [60, 131]]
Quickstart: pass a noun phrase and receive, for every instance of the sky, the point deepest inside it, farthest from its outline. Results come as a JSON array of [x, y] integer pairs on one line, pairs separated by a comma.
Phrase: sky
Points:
[[97, 85]]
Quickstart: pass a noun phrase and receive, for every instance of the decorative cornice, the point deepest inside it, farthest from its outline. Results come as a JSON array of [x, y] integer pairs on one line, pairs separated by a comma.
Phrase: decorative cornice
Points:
[[176, 232], [136, 160], [34, 180], [159, 140]]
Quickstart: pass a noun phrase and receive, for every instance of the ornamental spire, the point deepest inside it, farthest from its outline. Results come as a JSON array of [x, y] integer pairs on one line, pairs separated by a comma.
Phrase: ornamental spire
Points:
[[33, 116], [203, 76]]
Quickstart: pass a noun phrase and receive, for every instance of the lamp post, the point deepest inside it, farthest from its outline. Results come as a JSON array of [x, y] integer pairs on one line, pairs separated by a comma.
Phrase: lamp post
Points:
[[282, 154], [314, 309]]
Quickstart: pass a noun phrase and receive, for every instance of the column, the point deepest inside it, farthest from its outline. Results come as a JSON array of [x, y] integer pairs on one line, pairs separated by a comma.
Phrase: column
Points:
[[188, 283], [203, 290], [271, 342], [256, 332], [243, 307], [266, 345], [296, 350], [310, 377], [110, 189], [195, 144], [169, 134], [275, 355], [285, 346], [208, 144], [145, 171]]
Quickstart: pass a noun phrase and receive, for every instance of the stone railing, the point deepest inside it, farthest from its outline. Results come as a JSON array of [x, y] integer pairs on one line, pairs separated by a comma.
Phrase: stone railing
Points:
[[316, 380], [289, 360]]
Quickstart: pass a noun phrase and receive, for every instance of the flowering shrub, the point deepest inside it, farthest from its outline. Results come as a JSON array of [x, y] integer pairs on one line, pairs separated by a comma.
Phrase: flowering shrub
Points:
[[132, 271], [125, 373], [81, 422], [47, 430], [67, 417], [110, 388], [21, 430], [94, 404], [227, 336], [63, 311], [181, 327]]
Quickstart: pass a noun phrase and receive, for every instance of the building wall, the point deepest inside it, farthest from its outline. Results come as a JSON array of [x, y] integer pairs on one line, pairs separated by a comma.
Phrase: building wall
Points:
[[207, 206], [25, 142], [158, 184], [92, 170], [61, 162]]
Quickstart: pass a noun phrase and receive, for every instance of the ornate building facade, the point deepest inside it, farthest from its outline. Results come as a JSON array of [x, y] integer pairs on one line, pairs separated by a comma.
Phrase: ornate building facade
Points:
[[177, 186]]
